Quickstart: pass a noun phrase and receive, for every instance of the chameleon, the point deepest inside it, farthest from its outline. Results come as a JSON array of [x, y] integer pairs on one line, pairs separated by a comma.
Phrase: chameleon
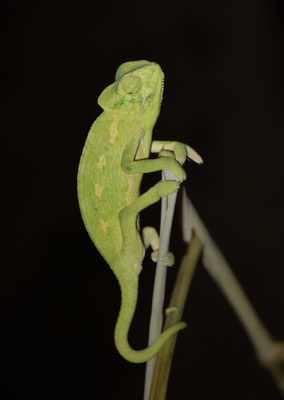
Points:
[[114, 158]]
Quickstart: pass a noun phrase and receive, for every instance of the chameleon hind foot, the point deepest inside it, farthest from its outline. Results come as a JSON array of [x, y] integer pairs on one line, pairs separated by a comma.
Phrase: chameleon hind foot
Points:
[[151, 238], [168, 259]]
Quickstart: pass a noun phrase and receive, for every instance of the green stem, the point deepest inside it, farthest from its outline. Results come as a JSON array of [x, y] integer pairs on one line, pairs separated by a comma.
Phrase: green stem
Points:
[[174, 314]]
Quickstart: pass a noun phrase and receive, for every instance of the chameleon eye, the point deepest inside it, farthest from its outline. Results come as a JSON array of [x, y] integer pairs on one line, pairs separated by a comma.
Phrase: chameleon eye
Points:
[[129, 85]]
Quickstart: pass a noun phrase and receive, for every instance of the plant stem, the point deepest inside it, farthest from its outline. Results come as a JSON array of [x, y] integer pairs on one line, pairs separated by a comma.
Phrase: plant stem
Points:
[[156, 320], [174, 314], [270, 352]]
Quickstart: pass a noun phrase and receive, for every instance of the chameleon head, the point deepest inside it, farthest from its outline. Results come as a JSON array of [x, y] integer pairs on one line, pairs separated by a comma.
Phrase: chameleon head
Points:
[[137, 90]]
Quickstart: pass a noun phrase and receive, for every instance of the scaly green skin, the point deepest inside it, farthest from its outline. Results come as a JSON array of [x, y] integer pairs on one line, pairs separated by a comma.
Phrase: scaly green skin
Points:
[[114, 159]]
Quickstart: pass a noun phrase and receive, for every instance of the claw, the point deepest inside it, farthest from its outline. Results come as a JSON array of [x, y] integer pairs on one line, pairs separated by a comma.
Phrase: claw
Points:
[[193, 155]]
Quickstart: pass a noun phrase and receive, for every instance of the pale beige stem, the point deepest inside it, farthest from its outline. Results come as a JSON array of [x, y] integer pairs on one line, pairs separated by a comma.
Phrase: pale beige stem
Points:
[[267, 349], [156, 320]]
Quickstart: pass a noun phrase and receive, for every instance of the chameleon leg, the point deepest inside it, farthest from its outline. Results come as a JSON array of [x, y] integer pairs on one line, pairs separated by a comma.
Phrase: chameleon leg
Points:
[[151, 238], [130, 165], [128, 215]]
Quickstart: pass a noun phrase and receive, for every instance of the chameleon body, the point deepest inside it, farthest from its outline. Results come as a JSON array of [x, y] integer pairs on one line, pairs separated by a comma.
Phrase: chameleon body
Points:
[[114, 159]]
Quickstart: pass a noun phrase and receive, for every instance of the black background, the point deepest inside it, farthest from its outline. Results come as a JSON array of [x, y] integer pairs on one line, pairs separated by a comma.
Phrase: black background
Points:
[[224, 95]]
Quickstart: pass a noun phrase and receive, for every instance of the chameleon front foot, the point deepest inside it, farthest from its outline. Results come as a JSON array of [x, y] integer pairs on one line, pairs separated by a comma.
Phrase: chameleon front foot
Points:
[[164, 188], [181, 151]]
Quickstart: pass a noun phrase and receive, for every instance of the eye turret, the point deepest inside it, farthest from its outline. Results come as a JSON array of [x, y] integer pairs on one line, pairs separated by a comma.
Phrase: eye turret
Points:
[[129, 85]]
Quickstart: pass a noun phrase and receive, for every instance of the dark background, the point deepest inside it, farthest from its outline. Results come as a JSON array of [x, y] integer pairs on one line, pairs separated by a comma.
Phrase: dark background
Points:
[[224, 94]]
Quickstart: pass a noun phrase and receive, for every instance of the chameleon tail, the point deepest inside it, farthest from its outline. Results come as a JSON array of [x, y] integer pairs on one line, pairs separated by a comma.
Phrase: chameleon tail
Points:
[[129, 290]]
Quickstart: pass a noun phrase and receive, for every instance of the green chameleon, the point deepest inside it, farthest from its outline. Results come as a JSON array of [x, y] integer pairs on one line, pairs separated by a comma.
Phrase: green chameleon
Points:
[[114, 159]]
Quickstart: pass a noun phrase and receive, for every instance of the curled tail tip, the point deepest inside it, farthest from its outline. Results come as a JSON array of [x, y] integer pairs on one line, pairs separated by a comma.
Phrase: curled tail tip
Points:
[[141, 356], [181, 324], [172, 330]]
